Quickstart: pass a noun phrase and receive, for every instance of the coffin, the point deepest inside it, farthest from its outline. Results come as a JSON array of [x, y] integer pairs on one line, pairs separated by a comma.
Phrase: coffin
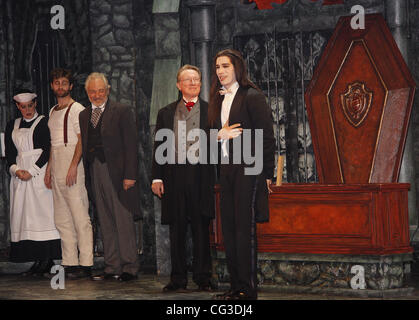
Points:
[[358, 104]]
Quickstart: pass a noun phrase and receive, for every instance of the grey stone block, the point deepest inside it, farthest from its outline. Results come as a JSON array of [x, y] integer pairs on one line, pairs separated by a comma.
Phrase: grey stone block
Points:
[[117, 49], [124, 37], [164, 6], [121, 21], [107, 40], [100, 20], [103, 30]]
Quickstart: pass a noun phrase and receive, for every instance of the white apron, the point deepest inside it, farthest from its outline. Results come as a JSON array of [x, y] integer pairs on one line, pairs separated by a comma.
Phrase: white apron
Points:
[[31, 206]]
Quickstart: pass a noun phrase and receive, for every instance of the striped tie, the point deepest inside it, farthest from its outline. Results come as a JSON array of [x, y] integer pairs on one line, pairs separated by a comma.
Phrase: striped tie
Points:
[[95, 116]]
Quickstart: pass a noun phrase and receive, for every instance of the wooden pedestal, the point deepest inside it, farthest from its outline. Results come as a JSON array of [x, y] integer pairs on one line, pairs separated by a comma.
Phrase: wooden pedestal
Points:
[[333, 219]]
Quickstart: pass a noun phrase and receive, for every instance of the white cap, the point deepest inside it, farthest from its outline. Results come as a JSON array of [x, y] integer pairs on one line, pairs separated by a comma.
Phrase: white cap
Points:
[[24, 97]]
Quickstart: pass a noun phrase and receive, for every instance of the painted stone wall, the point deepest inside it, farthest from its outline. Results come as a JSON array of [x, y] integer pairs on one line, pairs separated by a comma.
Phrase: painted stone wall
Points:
[[122, 46], [145, 52], [21, 22]]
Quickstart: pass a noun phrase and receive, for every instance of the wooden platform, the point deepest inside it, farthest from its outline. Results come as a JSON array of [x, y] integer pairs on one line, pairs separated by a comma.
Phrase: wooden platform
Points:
[[337, 219]]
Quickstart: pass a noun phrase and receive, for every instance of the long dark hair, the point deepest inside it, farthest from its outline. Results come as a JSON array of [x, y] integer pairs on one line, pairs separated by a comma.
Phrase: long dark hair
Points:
[[240, 70]]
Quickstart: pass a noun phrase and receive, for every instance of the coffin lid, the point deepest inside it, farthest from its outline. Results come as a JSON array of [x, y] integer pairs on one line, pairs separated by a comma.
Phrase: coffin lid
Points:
[[359, 103]]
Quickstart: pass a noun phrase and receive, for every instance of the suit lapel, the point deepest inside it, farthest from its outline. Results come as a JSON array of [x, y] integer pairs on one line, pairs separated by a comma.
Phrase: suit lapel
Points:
[[170, 115], [203, 115], [106, 116], [236, 105], [84, 124]]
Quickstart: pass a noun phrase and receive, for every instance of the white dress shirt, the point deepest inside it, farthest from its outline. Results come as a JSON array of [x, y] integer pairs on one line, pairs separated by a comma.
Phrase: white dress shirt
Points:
[[228, 101], [225, 110], [101, 107]]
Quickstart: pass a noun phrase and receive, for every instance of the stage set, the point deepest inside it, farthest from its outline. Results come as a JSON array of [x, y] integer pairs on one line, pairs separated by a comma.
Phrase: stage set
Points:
[[343, 210], [359, 103]]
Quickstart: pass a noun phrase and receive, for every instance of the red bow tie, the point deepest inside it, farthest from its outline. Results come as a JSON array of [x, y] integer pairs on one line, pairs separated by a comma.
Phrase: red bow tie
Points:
[[189, 105]]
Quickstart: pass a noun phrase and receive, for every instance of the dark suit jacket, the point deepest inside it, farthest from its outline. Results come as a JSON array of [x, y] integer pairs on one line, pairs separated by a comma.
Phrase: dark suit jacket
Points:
[[165, 119], [249, 108], [119, 138]]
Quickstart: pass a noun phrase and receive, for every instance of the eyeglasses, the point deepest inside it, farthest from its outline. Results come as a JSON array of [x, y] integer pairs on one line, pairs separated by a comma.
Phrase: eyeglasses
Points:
[[190, 80]]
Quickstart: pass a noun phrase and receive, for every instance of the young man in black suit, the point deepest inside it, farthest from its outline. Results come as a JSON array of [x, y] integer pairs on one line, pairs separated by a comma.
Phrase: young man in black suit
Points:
[[235, 105]]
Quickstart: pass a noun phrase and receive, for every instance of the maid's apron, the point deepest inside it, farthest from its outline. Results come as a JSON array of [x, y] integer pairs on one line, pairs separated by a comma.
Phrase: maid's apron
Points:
[[31, 206]]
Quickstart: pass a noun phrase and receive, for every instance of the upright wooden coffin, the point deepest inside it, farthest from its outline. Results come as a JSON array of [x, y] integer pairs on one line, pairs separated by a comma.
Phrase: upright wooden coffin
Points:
[[358, 103]]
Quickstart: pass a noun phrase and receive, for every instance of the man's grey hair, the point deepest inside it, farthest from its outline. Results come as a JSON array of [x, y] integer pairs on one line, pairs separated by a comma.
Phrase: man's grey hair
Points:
[[188, 67], [97, 75]]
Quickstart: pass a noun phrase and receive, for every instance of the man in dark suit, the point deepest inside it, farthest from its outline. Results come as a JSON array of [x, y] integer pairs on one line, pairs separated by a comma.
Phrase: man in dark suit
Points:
[[186, 189], [238, 108], [109, 143]]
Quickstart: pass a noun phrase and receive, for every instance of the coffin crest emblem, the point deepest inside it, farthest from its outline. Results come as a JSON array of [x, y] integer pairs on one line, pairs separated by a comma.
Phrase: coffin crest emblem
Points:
[[356, 103]]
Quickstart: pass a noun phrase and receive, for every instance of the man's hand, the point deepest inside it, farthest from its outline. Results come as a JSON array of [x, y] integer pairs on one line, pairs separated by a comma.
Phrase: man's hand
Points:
[[47, 179], [268, 183], [23, 175], [71, 176], [158, 188], [230, 132], [127, 183]]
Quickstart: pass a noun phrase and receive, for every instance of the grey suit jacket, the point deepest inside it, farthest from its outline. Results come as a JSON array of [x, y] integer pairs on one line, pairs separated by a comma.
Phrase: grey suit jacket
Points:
[[165, 119], [119, 138]]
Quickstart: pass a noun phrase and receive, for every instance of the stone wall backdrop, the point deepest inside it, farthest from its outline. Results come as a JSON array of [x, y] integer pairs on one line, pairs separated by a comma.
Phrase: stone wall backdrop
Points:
[[144, 65], [123, 49], [115, 37], [26, 58]]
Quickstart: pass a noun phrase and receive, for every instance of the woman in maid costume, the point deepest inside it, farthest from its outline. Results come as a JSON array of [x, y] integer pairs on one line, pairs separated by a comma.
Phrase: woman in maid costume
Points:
[[27, 145]]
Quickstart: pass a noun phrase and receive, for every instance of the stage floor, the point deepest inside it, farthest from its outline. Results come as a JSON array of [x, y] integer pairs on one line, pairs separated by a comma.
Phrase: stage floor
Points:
[[147, 287]]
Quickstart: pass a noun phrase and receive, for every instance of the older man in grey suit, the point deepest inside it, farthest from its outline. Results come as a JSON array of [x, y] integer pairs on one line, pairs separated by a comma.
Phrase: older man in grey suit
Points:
[[109, 141], [186, 188]]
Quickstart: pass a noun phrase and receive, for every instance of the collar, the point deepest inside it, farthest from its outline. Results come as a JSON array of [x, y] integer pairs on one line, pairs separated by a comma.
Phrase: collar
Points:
[[194, 100], [233, 89], [31, 119], [102, 106]]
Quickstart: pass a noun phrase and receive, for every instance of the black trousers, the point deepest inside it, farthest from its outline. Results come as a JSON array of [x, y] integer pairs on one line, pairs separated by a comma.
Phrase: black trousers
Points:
[[239, 227], [187, 210]]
